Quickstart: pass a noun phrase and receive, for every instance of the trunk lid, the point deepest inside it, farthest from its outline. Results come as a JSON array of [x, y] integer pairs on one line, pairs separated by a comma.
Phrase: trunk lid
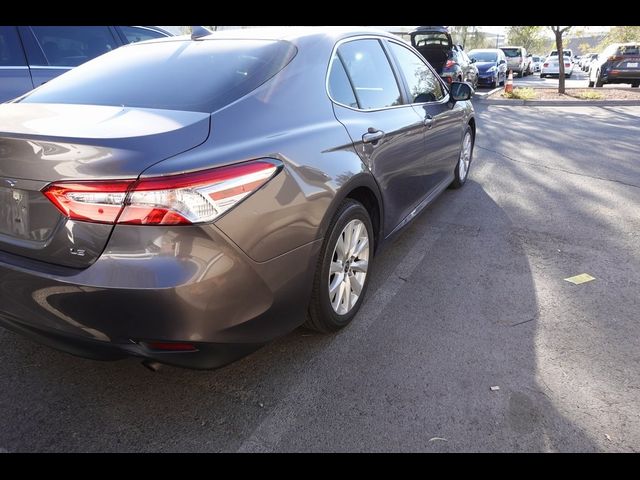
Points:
[[44, 143]]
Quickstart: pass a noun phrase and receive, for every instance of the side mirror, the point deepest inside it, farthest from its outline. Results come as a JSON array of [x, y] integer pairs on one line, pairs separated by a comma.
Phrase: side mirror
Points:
[[473, 60], [461, 91], [502, 62]]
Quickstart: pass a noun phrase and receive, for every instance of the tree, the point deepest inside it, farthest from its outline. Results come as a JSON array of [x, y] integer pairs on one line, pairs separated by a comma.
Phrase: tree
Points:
[[621, 35], [559, 33], [468, 37], [528, 37]]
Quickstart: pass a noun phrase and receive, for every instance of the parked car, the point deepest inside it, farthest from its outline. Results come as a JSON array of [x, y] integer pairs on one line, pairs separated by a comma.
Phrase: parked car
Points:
[[618, 63], [551, 66], [31, 56], [536, 63], [492, 66], [449, 60], [222, 191], [517, 60], [585, 61]]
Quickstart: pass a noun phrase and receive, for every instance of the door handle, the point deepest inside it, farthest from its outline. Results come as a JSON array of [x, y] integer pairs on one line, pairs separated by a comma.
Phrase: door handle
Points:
[[428, 121], [372, 136]]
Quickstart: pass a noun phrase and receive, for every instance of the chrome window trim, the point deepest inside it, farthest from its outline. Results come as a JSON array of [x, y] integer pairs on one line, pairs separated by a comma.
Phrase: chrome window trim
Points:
[[12, 67], [400, 87]]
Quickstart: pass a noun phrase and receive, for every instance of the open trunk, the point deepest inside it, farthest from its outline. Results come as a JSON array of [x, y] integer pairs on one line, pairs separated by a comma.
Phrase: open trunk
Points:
[[436, 55], [45, 143]]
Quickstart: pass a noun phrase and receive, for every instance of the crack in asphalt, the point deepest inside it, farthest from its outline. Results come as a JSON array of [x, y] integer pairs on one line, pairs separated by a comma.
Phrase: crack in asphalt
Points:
[[570, 172]]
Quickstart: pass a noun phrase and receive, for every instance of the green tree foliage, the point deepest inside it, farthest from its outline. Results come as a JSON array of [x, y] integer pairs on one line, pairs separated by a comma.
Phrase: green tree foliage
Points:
[[471, 37], [529, 37], [621, 35]]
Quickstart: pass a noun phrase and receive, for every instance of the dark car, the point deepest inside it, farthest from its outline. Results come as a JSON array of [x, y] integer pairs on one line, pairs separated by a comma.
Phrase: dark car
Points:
[[618, 63], [222, 191], [449, 60], [492, 66], [31, 56]]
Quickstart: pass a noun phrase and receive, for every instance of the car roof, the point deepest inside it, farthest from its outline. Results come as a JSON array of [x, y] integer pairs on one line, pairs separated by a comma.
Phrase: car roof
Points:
[[291, 34]]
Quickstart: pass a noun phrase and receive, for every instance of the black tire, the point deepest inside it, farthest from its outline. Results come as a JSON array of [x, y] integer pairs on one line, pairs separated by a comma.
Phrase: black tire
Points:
[[599, 82], [457, 181], [542, 75], [591, 84], [495, 83], [635, 85], [322, 317]]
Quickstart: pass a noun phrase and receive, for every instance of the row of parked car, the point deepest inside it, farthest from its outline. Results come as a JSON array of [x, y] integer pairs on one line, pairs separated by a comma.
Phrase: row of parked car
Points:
[[618, 63]]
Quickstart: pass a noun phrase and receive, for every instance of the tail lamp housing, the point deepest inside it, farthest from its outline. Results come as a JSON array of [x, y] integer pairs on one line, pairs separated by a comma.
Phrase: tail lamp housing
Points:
[[185, 199]]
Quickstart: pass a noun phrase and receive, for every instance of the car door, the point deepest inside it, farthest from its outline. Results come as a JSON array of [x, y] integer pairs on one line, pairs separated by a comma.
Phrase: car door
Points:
[[442, 120], [387, 133], [53, 50], [15, 78]]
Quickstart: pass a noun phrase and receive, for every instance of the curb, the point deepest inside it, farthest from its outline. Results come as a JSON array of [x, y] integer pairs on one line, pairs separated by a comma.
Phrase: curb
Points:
[[562, 103], [484, 95]]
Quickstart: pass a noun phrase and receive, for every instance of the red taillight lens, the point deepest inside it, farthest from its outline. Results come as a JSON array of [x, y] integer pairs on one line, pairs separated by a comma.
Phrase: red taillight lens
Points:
[[449, 64], [545, 65], [173, 200], [98, 202], [567, 64]]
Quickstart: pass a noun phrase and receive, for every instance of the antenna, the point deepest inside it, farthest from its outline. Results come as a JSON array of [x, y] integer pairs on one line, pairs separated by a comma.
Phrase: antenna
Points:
[[198, 32]]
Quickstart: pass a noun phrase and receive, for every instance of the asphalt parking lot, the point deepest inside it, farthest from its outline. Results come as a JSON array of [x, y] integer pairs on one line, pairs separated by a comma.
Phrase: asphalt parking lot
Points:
[[470, 297]]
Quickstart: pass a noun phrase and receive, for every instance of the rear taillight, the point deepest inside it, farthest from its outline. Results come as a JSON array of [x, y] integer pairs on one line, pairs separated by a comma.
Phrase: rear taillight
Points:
[[185, 199], [449, 64], [545, 65]]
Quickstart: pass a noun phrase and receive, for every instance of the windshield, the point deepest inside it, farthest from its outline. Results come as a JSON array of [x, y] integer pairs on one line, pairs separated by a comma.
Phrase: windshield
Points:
[[480, 56], [199, 76], [512, 52]]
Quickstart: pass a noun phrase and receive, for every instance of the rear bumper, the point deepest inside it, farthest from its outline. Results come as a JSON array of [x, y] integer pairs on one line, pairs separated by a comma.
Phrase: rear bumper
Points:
[[182, 284], [622, 76]]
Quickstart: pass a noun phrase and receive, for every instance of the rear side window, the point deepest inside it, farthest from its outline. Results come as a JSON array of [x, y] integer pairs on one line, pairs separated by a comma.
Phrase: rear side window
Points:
[[369, 69], [72, 46], [339, 85], [180, 75], [137, 34], [11, 54]]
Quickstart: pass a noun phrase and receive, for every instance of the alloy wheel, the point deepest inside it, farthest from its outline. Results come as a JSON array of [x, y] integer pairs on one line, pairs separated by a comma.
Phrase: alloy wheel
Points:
[[349, 265]]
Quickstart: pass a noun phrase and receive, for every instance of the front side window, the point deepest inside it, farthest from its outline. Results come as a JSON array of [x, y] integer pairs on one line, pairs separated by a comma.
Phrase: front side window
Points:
[[72, 46], [423, 84], [371, 74]]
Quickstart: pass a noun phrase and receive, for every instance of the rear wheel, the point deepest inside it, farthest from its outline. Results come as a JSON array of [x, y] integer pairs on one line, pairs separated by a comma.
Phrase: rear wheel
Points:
[[591, 84], [635, 85], [464, 161], [342, 273], [599, 82]]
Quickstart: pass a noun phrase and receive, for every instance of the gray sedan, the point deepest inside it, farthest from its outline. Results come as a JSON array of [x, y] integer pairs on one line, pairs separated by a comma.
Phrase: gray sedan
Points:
[[187, 200]]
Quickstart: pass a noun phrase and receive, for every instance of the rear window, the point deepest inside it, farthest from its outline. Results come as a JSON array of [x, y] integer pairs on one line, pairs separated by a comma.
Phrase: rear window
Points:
[[435, 38], [629, 50], [512, 52], [199, 76], [565, 53]]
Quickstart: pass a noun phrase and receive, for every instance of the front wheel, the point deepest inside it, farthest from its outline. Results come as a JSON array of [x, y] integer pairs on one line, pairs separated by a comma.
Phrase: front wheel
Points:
[[342, 273], [461, 173]]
